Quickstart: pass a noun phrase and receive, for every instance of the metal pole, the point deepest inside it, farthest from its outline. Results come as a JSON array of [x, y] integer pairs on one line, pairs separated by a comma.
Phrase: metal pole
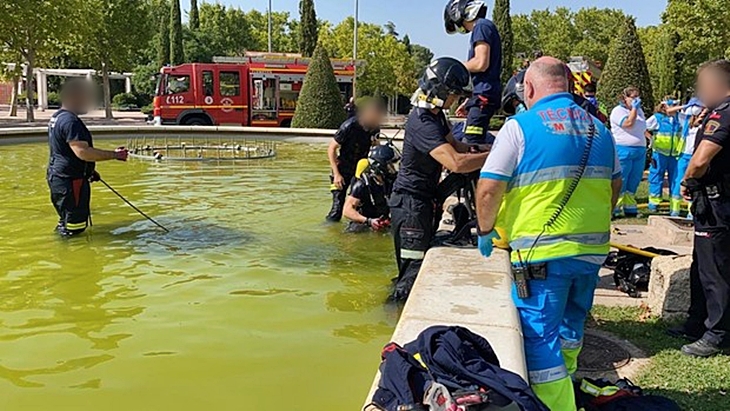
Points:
[[354, 51], [270, 45]]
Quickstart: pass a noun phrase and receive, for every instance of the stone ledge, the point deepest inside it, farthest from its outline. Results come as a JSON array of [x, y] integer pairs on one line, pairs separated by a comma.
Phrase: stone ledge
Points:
[[459, 287]]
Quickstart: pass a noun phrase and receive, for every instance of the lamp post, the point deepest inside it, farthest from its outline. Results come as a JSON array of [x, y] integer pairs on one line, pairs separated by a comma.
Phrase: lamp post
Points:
[[270, 45], [354, 52]]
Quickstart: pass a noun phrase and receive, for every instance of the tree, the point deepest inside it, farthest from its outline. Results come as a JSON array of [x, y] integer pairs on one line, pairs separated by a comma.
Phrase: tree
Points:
[[110, 40], [194, 15], [163, 45], [32, 29], [703, 27], [503, 21], [12, 72], [422, 56], [177, 54], [308, 28], [667, 64], [390, 29], [625, 67], [649, 37], [596, 29], [320, 104]]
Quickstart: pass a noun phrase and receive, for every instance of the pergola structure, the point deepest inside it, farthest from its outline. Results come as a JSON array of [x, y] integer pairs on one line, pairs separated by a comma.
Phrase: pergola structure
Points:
[[41, 77]]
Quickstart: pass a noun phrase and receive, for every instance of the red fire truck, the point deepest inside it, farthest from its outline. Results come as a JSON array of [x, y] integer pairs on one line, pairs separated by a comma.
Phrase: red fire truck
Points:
[[258, 90]]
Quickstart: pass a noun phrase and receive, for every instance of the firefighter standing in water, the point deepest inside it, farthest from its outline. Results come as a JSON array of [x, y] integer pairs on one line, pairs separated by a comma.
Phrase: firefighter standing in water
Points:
[[72, 160], [484, 64], [556, 168], [353, 140]]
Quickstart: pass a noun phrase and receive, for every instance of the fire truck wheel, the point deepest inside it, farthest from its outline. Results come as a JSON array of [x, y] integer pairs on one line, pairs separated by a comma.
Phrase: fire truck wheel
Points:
[[195, 121]]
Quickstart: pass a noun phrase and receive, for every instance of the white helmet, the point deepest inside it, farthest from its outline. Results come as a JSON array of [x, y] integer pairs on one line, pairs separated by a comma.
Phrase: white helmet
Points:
[[459, 11]]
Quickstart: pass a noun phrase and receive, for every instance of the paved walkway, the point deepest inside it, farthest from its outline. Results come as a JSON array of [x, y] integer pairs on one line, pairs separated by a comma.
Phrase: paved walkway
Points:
[[95, 117]]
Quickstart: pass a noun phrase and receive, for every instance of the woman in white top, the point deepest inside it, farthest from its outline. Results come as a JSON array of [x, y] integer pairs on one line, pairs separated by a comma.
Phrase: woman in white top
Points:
[[628, 126], [694, 112]]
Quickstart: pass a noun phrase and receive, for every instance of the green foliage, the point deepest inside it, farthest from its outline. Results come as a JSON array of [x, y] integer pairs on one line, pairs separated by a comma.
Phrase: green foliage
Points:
[[163, 35], [563, 33], [625, 67], [144, 79], [422, 56], [503, 21], [124, 101], [703, 27], [147, 109], [54, 99], [194, 15], [308, 27], [177, 54], [320, 104], [667, 65]]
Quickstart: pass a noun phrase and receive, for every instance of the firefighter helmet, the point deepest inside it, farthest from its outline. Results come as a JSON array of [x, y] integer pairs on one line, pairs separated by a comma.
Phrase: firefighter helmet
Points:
[[443, 77], [514, 92], [459, 11]]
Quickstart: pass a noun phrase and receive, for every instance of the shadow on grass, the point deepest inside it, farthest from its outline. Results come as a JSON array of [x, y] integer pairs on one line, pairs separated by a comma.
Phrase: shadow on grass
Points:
[[696, 384]]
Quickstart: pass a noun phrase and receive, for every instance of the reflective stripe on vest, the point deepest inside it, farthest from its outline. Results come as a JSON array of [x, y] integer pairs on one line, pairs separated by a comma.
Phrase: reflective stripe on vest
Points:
[[668, 140], [555, 138]]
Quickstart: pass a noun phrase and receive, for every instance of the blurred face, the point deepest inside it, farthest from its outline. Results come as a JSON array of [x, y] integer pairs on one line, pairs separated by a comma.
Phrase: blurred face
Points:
[[81, 100], [372, 116], [712, 89]]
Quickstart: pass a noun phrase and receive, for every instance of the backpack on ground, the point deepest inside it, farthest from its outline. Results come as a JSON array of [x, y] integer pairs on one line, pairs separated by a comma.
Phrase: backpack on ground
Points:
[[631, 271]]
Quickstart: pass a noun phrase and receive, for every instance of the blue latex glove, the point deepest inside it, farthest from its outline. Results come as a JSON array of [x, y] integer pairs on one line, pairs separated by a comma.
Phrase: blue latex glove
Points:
[[485, 243], [636, 103]]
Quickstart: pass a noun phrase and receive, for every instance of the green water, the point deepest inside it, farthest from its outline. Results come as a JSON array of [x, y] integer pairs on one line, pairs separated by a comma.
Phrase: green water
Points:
[[251, 302]]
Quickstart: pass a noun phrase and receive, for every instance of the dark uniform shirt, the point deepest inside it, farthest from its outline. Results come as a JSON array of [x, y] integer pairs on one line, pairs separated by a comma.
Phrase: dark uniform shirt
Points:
[[716, 128], [419, 173], [64, 128], [488, 83], [373, 197], [355, 143]]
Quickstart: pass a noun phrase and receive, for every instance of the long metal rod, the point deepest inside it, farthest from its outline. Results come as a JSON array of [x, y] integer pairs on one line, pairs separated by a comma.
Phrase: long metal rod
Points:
[[270, 29], [634, 250], [134, 207], [354, 50]]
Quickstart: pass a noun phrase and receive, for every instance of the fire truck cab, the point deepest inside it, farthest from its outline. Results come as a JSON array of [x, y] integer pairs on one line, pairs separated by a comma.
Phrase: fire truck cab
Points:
[[259, 90]]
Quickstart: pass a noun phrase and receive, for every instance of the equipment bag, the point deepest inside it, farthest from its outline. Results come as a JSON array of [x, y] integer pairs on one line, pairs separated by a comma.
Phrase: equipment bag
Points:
[[602, 395], [632, 272]]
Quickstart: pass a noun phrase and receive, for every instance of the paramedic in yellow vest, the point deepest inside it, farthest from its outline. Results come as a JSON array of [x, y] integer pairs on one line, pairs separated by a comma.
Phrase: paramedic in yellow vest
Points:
[[666, 126], [551, 181]]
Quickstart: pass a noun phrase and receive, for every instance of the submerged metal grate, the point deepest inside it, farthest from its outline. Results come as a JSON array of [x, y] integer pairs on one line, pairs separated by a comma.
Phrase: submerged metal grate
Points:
[[600, 354]]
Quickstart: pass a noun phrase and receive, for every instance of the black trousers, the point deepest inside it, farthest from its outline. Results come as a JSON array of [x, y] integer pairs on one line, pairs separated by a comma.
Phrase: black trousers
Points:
[[480, 112], [338, 197], [710, 287], [71, 198], [413, 226]]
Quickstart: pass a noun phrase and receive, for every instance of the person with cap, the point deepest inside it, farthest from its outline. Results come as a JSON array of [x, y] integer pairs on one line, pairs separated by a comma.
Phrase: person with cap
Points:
[[666, 126], [551, 182], [351, 143], [707, 184], [628, 126], [73, 157], [428, 148], [367, 205], [694, 112], [484, 63]]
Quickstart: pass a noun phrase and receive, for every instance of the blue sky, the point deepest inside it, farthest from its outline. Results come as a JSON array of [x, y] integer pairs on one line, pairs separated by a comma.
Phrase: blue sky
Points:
[[422, 20]]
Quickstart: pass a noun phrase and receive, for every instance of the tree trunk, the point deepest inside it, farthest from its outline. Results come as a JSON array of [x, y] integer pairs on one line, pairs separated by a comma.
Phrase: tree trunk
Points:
[[14, 97], [29, 87], [107, 92]]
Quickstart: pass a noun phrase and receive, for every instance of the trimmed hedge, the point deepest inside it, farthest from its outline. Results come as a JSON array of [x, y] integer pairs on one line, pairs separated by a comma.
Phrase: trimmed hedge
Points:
[[320, 104]]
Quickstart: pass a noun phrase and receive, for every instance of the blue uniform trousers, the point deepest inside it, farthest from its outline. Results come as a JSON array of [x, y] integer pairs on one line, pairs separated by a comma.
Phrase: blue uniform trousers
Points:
[[661, 166], [632, 161]]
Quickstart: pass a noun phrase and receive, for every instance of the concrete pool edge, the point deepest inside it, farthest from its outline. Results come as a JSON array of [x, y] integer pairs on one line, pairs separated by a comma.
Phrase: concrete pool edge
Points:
[[458, 287]]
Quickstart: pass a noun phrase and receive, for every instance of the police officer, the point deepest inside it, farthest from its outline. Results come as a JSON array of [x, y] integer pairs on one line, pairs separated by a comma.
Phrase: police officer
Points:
[[367, 205], [428, 148], [354, 139], [72, 161], [484, 63], [707, 184], [556, 168]]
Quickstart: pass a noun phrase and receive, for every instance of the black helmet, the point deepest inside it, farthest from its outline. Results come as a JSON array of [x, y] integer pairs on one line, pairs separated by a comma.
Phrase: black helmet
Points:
[[443, 77], [514, 91], [382, 159], [459, 11]]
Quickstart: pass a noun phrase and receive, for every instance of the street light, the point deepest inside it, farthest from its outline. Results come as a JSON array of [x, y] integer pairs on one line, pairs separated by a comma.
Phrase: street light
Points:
[[354, 52], [270, 45]]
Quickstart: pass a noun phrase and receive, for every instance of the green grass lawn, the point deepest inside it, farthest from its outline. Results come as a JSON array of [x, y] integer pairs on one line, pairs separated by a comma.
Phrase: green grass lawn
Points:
[[696, 384]]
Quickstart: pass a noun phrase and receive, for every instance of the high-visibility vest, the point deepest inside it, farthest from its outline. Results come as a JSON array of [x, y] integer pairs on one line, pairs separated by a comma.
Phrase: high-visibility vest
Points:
[[668, 139], [555, 134]]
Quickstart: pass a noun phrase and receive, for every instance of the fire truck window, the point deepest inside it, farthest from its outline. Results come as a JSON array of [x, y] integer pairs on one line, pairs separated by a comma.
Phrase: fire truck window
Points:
[[177, 84], [208, 83], [230, 84]]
